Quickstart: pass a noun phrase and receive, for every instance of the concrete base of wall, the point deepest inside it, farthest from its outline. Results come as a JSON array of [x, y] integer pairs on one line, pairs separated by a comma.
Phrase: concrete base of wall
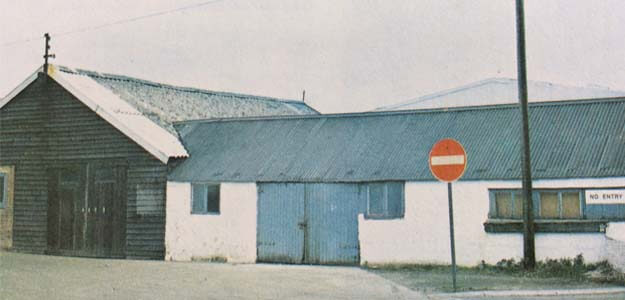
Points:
[[615, 254], [615, 245]]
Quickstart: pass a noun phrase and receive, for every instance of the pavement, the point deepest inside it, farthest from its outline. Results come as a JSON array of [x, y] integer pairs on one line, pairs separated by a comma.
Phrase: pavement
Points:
[[27, 276]]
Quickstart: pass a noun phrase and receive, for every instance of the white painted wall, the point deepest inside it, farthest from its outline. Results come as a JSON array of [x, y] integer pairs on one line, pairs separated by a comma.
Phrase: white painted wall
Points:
[[231, 235], [422, 236], [615, 244]]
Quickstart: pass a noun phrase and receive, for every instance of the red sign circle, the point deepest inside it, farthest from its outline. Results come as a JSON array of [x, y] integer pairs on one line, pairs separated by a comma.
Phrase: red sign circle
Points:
[[447, 160]]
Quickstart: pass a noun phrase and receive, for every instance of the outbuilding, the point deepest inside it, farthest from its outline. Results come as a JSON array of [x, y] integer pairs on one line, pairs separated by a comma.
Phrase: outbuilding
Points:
[[356, 188], [84, 158], [104, 165]]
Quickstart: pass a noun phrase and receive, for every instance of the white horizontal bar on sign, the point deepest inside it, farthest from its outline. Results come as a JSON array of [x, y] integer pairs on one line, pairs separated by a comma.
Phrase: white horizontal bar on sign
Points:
[[447, 160]]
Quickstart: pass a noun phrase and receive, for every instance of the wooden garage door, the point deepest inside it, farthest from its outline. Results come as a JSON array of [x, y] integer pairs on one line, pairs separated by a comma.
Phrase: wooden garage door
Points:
[[314, 223], [87, 210]]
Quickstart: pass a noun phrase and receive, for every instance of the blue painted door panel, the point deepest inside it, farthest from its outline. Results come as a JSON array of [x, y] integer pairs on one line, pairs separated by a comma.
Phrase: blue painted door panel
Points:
[[281, 223], [312, 223], [332, 215]]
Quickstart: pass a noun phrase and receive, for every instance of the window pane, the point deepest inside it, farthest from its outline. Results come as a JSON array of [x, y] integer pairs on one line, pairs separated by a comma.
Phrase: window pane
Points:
[[503, 202], [549, 205], [571, 205], [212, 198], [395, 199], [199, 198], [376, 199], [518, 206]]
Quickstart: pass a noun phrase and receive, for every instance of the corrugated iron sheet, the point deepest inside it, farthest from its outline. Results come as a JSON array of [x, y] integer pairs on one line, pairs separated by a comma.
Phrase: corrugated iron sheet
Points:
[[568, 139], [123, 116], [332, 223], [501, 91], [309, 223], [164, 103], [281, 219]]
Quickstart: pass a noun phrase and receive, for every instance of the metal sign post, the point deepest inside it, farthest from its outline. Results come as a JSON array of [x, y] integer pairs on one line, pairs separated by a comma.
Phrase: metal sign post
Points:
[[451, 235], [448, 160]]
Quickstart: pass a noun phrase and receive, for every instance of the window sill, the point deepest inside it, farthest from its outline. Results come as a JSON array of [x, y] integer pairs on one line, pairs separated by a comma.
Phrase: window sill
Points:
[[551, 226], [205, 213], [383, 217]]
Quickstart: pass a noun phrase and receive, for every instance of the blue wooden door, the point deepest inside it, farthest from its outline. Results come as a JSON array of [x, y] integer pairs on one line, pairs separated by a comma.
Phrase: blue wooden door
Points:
[[281, 223], [332, 219], [313, 223]]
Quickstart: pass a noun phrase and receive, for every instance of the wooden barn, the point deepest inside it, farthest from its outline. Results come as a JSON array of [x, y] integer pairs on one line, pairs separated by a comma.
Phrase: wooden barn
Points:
[[84, 159]]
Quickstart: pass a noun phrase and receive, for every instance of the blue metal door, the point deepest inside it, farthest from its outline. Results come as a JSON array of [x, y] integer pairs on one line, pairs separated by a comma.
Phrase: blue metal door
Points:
[[308, 223], [332, 219], [281, 223]]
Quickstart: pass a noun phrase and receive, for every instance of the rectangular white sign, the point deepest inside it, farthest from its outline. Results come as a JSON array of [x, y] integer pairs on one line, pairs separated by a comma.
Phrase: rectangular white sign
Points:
[[448, 160], [605, 196]]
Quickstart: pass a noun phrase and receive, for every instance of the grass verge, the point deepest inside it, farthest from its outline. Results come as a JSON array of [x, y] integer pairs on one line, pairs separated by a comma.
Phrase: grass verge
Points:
[[505, 275]]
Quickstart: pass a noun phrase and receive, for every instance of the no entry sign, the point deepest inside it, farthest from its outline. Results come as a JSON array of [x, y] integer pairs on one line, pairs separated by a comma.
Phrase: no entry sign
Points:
[[447, 163], [447, 160]]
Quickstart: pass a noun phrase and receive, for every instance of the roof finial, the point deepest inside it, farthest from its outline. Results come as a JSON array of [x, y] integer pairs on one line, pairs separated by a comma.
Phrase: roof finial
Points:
[[46, 55]]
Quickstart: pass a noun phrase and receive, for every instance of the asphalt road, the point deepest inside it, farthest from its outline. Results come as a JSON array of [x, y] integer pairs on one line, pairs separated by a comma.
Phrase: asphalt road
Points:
[[24, 276]]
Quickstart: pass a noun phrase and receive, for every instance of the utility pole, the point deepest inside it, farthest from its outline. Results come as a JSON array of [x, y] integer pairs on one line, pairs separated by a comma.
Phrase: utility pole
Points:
[[529, 251], [304, 96], [46, 55]]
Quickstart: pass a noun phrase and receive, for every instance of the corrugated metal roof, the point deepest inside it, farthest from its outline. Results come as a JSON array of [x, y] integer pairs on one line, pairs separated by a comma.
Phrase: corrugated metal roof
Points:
[[501, 91], [123, 116], [569, 140], [145, 111], [165, 104]]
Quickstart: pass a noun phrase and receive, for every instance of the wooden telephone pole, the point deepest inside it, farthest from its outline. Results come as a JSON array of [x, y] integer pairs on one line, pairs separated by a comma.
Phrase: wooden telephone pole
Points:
[[529, 251]]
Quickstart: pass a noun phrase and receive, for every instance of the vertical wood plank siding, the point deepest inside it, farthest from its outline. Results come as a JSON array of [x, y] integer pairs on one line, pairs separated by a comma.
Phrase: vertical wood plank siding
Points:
[[44, 126]]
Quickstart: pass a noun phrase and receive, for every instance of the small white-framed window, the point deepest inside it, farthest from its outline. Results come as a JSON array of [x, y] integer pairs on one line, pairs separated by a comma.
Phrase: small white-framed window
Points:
[[205, 198]]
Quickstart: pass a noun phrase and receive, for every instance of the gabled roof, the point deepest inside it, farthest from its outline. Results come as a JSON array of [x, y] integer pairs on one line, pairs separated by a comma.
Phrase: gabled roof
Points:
[[500, 91], [145, 111], [165, 104], [159, 142], [584, 138]]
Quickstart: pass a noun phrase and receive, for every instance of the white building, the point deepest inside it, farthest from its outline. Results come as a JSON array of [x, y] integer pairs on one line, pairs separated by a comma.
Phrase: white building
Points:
[[502, 91], [356, 188]]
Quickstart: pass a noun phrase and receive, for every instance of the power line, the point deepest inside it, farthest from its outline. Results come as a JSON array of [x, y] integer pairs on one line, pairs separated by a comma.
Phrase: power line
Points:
[[114, 23], [22, 41]]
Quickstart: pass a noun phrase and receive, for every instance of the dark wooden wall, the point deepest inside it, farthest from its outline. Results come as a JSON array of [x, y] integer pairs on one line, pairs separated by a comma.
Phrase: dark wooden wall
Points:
[[46, 126]]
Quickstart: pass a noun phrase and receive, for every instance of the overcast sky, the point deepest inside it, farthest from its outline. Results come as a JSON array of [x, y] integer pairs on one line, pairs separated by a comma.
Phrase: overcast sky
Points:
[[347, 55]]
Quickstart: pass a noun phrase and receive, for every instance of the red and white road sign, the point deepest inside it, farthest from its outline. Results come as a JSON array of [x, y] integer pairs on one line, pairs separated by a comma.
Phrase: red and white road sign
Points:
[[448, 160]]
